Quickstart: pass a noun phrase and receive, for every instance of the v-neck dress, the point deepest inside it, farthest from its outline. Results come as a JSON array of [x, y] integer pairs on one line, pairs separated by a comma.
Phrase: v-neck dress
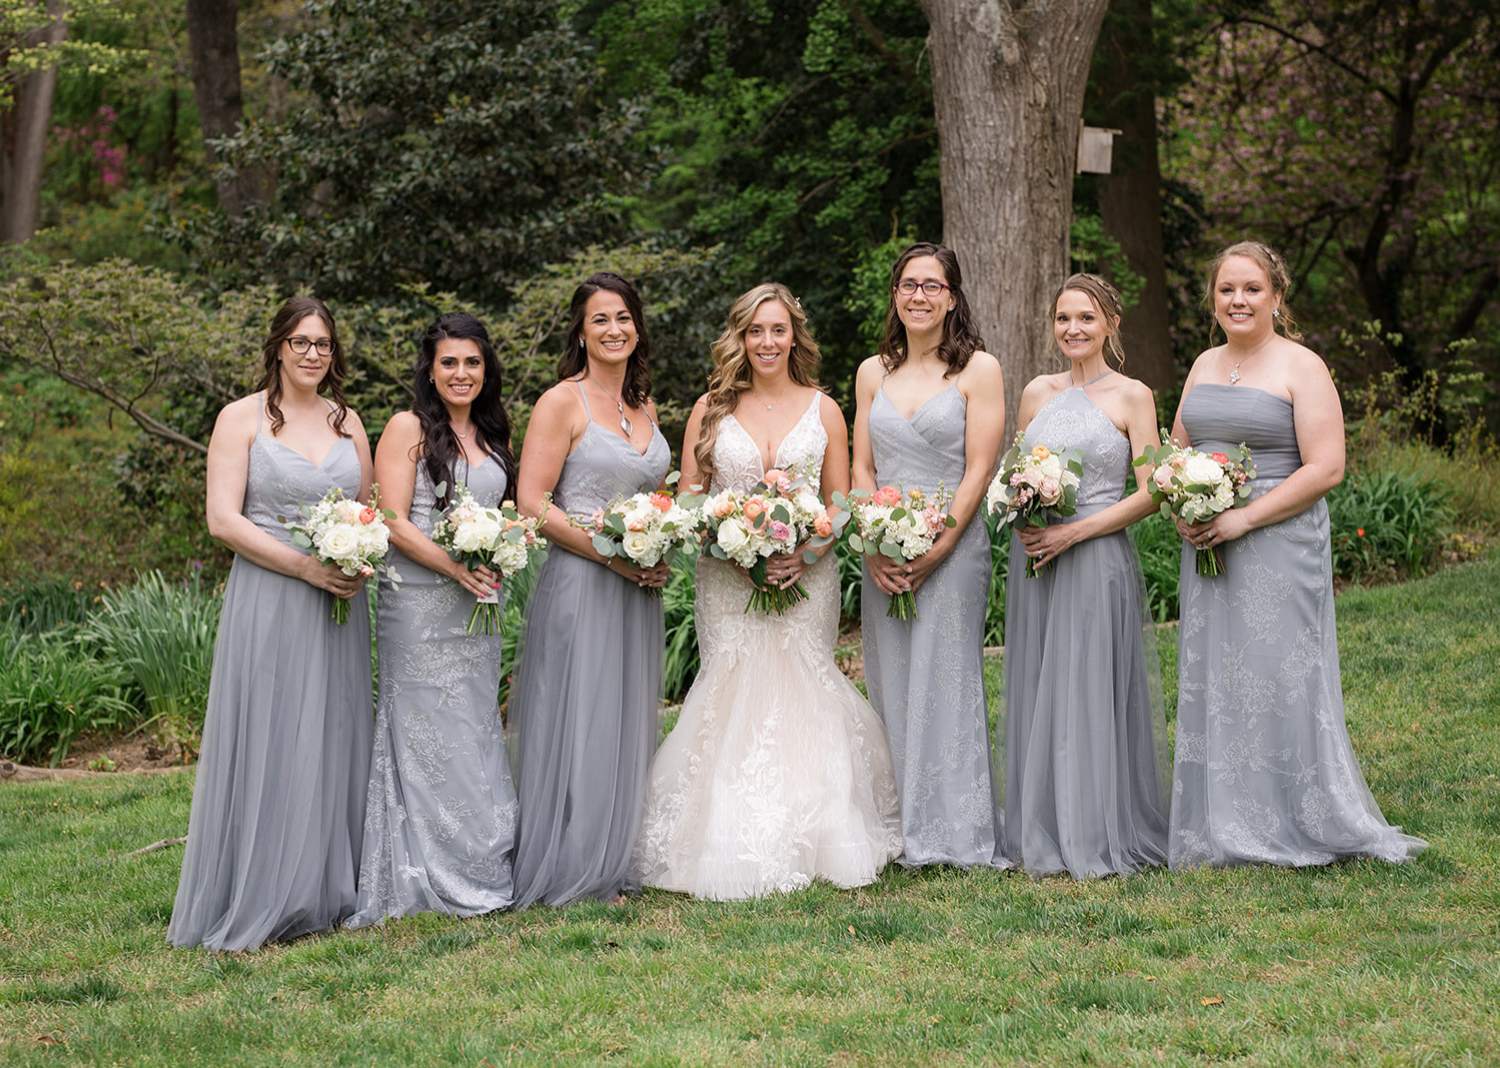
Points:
[[279, 799], [926, 676], [1085, 738], [777, 772], [585, 699]]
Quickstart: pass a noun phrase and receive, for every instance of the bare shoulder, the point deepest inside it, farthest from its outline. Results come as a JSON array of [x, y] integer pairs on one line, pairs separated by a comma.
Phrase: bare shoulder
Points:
[[984, 363], [238, 419], [557, 402], [1133, 390], [1043, 388], [1299, 359]]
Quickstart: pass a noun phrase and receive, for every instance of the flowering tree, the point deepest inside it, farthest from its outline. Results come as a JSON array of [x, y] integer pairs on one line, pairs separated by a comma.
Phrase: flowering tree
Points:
[[1362, 138]]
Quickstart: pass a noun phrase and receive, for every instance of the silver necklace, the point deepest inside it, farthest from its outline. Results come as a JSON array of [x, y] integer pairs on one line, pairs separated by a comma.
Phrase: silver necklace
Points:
[[619, 404], [1234, 376], [470, 431]]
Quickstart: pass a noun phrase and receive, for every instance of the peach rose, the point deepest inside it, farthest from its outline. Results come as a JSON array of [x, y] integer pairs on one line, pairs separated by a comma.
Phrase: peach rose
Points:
[[823, 525], [887, 497], [662, 502]]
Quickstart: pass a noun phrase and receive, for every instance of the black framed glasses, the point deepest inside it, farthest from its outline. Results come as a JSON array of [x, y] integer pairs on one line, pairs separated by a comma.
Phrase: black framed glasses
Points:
[[907, 288], [301, 344]]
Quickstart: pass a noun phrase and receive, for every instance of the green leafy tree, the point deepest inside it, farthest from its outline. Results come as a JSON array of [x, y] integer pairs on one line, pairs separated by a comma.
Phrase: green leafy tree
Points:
[[460, 143], [798, 136]]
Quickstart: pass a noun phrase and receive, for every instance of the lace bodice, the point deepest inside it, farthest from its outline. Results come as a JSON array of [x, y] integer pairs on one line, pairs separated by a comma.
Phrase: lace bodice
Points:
[[1071, 420], [737, 462]]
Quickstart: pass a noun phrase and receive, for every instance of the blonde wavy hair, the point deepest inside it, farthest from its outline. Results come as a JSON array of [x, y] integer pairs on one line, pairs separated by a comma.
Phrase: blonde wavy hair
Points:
[[1277, 274], [732, 374]]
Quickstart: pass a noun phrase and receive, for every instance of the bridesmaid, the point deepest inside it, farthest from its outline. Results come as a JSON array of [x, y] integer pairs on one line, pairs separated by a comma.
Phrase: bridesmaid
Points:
[[440, 823], [931, 409], [588, 686], [278, 804], [1264, 769], [1085, 736]]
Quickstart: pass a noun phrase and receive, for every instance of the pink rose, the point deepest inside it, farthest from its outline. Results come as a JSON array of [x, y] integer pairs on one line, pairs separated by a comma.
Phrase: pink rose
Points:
[[1051, 490], [1162, 476], [780, 531]]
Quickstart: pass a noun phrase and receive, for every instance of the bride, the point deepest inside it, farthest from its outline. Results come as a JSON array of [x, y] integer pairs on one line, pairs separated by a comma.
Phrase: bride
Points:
[[777, 772]]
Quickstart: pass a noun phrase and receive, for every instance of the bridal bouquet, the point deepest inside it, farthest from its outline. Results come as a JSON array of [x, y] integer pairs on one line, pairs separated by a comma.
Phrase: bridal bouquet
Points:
[[779, 513], [1032, 482], [500, 539], [1194, 486], [899, 526], [643, 528], [339, 531]]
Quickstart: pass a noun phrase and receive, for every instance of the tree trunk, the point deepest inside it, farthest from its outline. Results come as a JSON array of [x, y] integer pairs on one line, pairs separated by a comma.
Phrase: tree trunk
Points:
[[23, 140], [1008, 82], [1130, 196], [213, 38]]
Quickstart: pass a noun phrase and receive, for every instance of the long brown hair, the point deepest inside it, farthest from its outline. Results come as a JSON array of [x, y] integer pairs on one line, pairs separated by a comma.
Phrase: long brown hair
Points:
[[960, 334], [282, 325], [732, 374], [575, 358], [491, 426], [1107, 302], [1277, 274]]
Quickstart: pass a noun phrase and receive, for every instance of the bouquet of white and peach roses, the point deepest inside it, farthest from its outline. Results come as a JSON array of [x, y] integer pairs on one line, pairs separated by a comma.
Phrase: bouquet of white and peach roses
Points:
[[1032, 482], [339, 531], [779, 513], [901, 526], [501, 539], [1194, 486], [642, 529]]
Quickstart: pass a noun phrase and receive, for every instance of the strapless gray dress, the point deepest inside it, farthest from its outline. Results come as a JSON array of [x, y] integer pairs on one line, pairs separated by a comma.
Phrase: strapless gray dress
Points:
[[279, 800], [1085, 734], [585, 699], [1264, 769], [925, 677], [440, 819]]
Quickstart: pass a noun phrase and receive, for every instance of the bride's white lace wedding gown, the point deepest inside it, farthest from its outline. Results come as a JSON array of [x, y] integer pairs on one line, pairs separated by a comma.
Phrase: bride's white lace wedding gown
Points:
[[777, 772]]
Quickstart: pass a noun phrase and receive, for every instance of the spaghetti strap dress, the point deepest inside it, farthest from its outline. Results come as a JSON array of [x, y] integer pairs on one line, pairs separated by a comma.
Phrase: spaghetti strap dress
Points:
[[279, 800], [587, 692]]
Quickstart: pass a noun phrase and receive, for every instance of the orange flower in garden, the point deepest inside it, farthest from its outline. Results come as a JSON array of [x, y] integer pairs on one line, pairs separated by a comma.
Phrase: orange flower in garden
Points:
[[1360, 532]]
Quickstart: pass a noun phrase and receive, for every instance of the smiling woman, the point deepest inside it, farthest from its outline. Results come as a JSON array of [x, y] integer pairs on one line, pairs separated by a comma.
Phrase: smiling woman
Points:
[[931, 416], [584, 709], [441, 814], [278, 804]]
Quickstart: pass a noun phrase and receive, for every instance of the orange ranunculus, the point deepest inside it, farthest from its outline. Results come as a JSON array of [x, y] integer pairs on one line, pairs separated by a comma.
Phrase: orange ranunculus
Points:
[[887, 497], [662, 501], [1040, 452], [823, 525], [754, 508], [367, 516]]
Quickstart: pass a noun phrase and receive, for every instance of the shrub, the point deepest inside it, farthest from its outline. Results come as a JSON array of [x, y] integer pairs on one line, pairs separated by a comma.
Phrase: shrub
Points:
[[1159, 546], [37, 605], [1390, 521], [49, 694], [681, 664], [162, 635]]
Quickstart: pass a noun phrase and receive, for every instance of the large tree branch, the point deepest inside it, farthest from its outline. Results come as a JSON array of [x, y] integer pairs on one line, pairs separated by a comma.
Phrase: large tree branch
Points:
[[1313, 46], [1479, 298]]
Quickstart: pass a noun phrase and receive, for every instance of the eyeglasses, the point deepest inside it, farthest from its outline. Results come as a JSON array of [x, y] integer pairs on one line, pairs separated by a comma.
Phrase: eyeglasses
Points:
[[301, 344], [908, 288]]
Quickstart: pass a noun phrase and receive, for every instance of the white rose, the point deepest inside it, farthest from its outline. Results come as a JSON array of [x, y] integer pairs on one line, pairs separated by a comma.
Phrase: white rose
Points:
[[339, 543], [1202, 469], [1052, 467], [637, 545], [733, 538]]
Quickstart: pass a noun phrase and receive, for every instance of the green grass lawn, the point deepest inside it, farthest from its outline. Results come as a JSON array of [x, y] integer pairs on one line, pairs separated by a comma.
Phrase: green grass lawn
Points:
[[1358, 963]]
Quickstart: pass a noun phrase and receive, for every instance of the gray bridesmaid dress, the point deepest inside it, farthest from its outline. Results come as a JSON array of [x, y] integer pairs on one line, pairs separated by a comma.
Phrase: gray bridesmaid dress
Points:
[[279, 800], [1264, 769], [440, 818], [926, 677], [584, 710], [1085, 735]]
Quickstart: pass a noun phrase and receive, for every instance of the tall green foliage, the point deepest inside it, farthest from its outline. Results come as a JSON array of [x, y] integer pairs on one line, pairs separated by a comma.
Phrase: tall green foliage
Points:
[[460, 143]]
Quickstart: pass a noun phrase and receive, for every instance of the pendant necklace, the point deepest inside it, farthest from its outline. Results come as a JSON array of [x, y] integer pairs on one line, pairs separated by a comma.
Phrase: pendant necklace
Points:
[[1234, 376], [619, 404]]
